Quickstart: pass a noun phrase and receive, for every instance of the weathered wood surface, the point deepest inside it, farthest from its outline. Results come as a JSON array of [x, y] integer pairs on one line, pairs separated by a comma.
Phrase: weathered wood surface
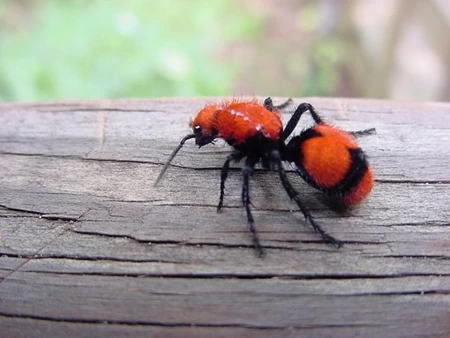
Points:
[[90, 248]]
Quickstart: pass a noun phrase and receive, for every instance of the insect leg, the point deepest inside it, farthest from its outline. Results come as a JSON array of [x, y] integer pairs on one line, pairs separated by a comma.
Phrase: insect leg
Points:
[[293, 121], [268, 104], [293, 194], [246, 172], [364, 132], [237, 156]]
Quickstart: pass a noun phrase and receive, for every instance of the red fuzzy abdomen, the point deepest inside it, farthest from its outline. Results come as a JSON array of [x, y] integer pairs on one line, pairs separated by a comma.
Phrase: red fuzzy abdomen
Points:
[[361, 191], [330, 159], [326, 159]]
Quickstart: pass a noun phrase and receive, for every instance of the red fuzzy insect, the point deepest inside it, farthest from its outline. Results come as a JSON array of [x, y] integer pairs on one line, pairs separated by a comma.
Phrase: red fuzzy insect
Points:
[[329, 158], [326, 157]]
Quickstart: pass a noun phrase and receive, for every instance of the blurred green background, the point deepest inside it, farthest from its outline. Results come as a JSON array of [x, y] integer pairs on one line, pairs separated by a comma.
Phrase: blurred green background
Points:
[[58, 49]]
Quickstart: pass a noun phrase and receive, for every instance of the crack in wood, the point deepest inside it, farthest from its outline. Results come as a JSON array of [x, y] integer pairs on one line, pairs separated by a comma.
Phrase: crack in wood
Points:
[[62, 218], [438, 257], [135, 201], [208, 275], [38, 256], [424, 223], [81, 158], [27, 211], [222, 245], [30, 257], [177, 324], [396, 293], [412, 181], [99, 110], [43, 215]]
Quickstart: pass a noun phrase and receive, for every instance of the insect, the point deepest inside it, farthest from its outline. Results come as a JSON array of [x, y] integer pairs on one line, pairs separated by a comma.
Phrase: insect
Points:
[[326, 157]]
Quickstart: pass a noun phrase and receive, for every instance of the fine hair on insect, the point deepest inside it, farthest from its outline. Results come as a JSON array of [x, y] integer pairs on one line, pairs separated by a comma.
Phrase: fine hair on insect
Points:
[[325, 156]]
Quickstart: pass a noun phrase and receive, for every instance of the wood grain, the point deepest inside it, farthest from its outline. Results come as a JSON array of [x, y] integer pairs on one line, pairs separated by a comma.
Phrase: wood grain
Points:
[[90, 248]]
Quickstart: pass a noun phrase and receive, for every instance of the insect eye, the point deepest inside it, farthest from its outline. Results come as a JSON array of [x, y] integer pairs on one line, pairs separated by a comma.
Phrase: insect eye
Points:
[[197, 130]]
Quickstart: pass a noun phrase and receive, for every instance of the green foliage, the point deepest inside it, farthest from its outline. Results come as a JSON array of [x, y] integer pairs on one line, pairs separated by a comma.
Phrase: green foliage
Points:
[[327, 55], [108, 48]]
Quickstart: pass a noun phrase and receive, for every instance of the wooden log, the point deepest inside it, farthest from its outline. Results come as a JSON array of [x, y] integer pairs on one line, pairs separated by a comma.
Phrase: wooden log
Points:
[[89, 247]]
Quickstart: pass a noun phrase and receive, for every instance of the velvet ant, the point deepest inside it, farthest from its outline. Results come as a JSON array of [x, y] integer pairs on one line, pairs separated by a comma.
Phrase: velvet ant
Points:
[[325, 156]]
